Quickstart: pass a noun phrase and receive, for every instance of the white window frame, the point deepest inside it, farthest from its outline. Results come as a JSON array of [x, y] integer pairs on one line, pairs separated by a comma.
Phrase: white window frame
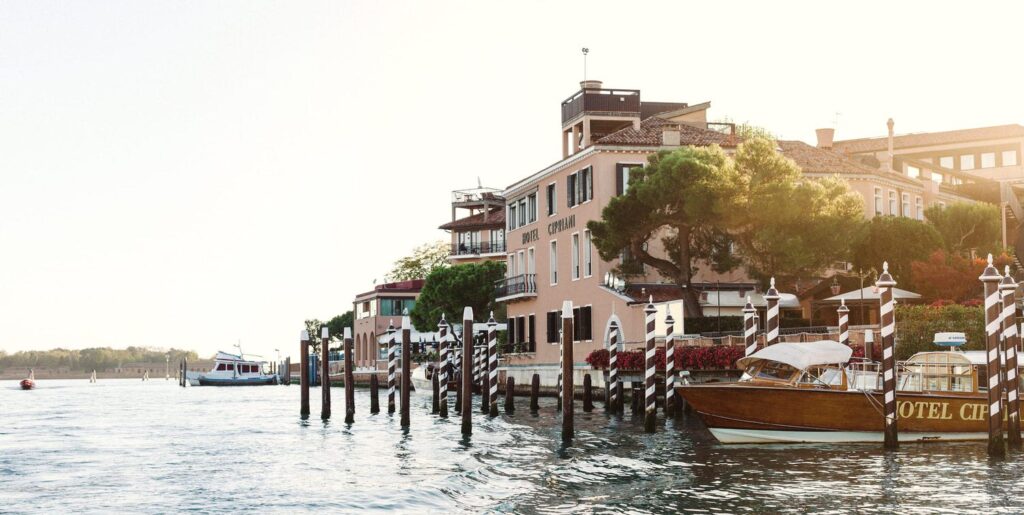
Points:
[[893, 203], [973, 165], [879, 202], [512, 215], [588, 254], [531, 261], [1009, 153], [991, 164], [531, 208], [575, 249], [553, 262], [553, 200], [905, 204], [919, 207]]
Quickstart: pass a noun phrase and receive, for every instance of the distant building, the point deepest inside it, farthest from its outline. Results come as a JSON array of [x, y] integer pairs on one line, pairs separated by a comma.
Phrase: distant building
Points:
[[479, 234], [373, 311]]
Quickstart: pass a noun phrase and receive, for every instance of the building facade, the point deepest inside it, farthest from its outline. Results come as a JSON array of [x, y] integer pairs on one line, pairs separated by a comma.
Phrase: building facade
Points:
[[373, 311]]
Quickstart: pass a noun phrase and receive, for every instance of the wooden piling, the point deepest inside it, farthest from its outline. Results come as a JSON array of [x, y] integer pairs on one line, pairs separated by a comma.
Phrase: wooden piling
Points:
[[749, 329], [635, 396], [304, 376], [325, 380], [844, 323], [406, 368], [588, 401], [435, 393], [482, 379], [444, 367], [374, 399], [510, 395], [392, 341], [534, 392], [885, 284], [1011, 343], [614, 385], [772, 297], [492, 365], [568, 428], [670, 367], [650, 410], [990, 278], [350, 381], [466, 391]]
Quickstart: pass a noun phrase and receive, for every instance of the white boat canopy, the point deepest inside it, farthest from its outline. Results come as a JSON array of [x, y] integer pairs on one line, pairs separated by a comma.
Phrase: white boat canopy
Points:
[[801, 356]]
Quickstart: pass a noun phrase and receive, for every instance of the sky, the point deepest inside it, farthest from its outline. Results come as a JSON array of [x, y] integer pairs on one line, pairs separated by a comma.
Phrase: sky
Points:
[[193, 174]]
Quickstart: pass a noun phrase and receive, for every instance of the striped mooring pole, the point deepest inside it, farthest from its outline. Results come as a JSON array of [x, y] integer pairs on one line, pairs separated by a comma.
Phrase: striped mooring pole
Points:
[[844, 323], [772, 298], [392, 342], [406, 366], [466, 390], [990, 278], [1011, 342], [614, 383], [304, 375], [566, 381], [670, 367], [749, 329], [885, 284], [442, 366], [325, 381], [561, 366], [650, 411], [492, 364], [477, 369], [350, 386]]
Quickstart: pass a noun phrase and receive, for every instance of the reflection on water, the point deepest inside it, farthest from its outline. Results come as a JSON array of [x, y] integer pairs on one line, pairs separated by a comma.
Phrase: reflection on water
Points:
[[125, 445]]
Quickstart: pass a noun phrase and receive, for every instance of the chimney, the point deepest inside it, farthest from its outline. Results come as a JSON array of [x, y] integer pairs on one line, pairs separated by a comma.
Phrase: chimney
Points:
[[825, 137], [670, 136], [889, 156], [590, 84]]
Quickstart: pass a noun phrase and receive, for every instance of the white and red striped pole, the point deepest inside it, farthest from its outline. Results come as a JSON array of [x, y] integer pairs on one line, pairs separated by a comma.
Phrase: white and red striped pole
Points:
[[749, 329], [1011, 341], [844, 323], [492, 365], [442, 366], [670, 366], [990, 278], [614, 384], [772, 298], [392, 342], [885, 283], [650, 411]]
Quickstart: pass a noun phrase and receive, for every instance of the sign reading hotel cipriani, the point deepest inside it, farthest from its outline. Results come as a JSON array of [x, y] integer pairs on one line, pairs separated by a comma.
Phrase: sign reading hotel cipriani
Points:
[[531, 235], [560, 225]]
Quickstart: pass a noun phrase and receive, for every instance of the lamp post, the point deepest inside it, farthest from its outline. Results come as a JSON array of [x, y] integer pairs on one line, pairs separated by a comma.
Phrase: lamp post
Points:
[[167, 367]]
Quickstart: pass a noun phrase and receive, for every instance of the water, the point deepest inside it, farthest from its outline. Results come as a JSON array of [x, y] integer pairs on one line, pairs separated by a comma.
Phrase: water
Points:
[[130, 446]]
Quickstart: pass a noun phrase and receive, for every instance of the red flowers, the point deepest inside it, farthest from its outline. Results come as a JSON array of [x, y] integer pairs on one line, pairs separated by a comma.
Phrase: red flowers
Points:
[[686, 358]]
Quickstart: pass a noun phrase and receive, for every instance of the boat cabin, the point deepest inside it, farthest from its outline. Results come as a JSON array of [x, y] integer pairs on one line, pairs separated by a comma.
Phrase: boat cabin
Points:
[[818, 364]]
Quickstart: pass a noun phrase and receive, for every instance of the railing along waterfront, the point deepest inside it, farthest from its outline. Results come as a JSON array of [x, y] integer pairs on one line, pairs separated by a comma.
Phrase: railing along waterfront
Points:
[[516, 285], [475, 249]]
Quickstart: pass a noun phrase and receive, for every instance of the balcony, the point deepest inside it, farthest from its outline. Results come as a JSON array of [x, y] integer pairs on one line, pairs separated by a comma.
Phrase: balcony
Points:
[[516, 287], [467, 250], [624, 102], [477, 197]]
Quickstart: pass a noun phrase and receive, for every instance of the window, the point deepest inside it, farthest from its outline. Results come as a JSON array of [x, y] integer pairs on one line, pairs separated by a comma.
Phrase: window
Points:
[[552, 200], [553, 327], [580, 187], [512, 216], [920, 208], [511, 265], [937, 177], [622, 177], [988, 160], [510, 323], [1009, 158], [396, 307], [531, 208], [892, 203], [570, 190], [522, 212], [878, 201], [587, 257], [946, 162], [497, 240], [906, 204], [520, 329], [913, 171], [221, 366], [967, 162], [531, 342], [581, 329], [522, 264], [553, 263], [575, 256], [531, 262]]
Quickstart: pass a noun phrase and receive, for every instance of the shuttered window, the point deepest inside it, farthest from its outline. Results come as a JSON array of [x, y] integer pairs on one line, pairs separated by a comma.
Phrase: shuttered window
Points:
[[511, 325], [531, 341], [553, 326]]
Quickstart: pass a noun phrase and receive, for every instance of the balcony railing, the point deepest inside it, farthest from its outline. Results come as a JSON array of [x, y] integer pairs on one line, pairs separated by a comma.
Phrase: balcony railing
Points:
[[603, 101], [525, 284], [475, 249]]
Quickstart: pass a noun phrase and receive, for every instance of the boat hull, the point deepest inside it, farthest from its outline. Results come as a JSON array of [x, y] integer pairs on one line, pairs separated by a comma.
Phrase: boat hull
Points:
[[243, 381], [738, 413]]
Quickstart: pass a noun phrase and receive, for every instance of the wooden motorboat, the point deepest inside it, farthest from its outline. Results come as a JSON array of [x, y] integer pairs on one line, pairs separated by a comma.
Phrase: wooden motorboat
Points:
[[29, 382], [811, 392]]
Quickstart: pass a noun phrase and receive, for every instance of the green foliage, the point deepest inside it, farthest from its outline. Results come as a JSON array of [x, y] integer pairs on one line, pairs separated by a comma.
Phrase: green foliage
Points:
[[93, 358], [916, 326], [336, 326], [449, 290], [423, 260], [965, 226], [313, 328], [898, 240]]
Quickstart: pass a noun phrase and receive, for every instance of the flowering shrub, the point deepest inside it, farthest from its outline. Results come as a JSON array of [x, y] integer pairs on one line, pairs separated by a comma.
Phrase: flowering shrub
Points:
[[686, 358]]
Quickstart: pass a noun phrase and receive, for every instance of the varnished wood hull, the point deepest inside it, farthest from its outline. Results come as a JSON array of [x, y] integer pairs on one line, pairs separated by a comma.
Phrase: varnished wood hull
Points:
[[739, 413]]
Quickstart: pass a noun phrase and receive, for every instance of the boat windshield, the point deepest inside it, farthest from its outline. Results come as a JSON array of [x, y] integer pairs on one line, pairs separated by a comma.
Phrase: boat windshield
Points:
[[772, 370], [822, 376], [937, 372]]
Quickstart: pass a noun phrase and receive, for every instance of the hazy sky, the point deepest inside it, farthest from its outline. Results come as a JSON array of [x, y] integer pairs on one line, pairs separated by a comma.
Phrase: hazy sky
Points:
[[190, 174]]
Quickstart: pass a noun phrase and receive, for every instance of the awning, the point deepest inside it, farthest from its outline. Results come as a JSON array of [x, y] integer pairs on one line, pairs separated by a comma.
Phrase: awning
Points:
[[801, 355]]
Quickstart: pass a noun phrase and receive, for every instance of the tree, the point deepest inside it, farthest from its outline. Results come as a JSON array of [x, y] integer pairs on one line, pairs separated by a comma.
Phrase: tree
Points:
[[313, 328], [789, 227], [450, 290], [680, 198], [423, 260], [951, 276], [336, 326], [965, 226], [899, 241]]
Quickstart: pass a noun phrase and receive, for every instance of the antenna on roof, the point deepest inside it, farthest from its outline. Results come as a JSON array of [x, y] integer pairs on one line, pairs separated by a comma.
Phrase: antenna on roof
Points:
[[478, 183], [835, 120], [585, 52]]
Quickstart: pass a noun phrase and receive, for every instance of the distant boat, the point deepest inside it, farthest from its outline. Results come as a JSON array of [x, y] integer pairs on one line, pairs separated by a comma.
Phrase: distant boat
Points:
[[232, 370], [29, 382]]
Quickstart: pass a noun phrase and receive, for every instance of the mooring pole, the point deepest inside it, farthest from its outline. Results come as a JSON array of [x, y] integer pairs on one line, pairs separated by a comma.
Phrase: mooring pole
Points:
[[534, 392], [588, 400], [466, 391], [374, 398], [650, 410], [990, 279], [435, 394], [510, 394], [350, 381], [749, 329], [478, 371], [614, 382], [392, 351], [885, 284], [442, 367], [1011, 342], [184, 381], [325, 382], [406, 367], [492, 364], [636, 397], [567, 380], [304, 375], [670, 366], [772, 297], [561, 366], [844, 323]]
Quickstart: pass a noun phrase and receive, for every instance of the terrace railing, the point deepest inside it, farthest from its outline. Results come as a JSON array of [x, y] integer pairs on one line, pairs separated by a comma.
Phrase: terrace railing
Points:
[[475, 249], [524, 284]]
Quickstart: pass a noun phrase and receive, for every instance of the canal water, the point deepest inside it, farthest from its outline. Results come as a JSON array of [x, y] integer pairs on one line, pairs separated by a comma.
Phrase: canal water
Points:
[[153, 447]]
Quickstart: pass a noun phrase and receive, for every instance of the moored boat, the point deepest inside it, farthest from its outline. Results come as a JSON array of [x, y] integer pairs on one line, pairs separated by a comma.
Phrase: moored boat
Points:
[[811, 392], [232, 370]]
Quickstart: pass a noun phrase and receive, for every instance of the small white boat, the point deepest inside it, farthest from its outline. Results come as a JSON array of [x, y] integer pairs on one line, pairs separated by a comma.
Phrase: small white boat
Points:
[[232, 370], [421, 383]]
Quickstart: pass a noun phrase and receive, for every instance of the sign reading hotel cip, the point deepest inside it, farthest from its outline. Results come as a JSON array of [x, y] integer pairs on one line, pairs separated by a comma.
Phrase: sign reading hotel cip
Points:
[[553, 228]]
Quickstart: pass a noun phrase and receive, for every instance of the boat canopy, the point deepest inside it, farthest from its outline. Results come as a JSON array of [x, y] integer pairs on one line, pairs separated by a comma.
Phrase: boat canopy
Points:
[[801, 356], [971, 357]]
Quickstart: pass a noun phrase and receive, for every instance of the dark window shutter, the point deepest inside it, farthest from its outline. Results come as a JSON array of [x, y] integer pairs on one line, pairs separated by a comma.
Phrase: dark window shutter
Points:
[[587, 333], [576, 324], [521, 330], [553, 327], [510, 324], [532, 340], [570, 190], [619, 171]]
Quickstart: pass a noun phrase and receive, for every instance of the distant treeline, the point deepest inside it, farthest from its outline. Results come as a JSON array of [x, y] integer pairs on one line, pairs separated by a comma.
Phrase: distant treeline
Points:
[[99, 358]]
